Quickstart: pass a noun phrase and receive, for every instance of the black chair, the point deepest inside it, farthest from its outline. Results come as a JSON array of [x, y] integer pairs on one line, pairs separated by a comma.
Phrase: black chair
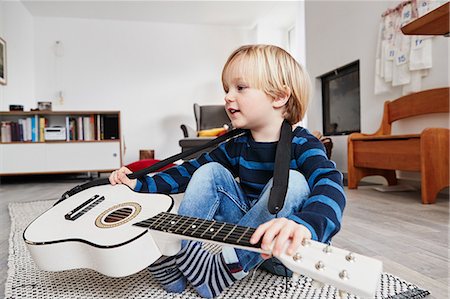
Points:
[[206, 117]]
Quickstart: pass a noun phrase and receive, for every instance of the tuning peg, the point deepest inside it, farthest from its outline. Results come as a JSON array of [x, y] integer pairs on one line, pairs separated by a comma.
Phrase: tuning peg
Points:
[[297, 257], [350, 257], [327, 249], [317, 284], [306, 242], [320, 265], [295, 277], [343, 275], [343, 294]]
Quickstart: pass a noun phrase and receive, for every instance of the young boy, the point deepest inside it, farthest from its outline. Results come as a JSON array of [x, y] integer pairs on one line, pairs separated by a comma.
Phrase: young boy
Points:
[[263, 86]]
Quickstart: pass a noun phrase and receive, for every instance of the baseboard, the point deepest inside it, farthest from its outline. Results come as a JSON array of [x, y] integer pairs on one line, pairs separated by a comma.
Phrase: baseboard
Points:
[[378, 180]]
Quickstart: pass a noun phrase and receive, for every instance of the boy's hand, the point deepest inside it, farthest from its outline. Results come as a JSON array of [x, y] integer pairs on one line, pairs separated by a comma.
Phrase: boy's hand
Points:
[[120, 177], [279, 231]]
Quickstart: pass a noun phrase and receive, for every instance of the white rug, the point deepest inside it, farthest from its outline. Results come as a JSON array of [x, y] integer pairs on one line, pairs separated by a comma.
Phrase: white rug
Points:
[[25, 280]]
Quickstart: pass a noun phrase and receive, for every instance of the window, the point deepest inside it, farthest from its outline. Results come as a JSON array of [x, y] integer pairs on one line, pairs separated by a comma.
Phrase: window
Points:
[[341, 100]]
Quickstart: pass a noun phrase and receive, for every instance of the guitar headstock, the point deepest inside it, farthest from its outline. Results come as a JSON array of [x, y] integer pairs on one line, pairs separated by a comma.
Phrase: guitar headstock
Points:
[[347, 271]]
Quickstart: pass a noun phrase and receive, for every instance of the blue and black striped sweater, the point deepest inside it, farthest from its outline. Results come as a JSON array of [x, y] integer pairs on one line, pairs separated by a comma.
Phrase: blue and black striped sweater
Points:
[[253, 162]]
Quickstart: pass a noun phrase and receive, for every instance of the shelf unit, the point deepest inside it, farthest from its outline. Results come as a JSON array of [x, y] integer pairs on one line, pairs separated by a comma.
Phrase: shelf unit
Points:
[[92, 142], [435, 22]]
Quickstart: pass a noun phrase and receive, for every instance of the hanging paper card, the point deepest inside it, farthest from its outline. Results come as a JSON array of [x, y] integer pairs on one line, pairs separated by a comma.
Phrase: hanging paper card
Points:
[[421, 57], [406, 14], [400, 58], [422, 7], [390, 51], [416, 42]]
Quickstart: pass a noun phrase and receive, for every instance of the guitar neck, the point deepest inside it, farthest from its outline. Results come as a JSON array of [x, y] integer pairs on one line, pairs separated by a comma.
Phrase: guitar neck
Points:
[[344, 270], [202, 229]]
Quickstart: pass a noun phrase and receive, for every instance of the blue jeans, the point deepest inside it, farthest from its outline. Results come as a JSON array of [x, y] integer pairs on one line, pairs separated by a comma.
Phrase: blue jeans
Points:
[[213, 193]]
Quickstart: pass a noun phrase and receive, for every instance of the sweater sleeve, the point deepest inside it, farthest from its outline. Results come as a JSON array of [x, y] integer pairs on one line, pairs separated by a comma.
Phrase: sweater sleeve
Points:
[[175, 179], [322, 212]]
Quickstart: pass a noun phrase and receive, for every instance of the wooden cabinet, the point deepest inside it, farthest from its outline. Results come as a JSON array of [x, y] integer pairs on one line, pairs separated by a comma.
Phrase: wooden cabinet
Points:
[[92, 142]]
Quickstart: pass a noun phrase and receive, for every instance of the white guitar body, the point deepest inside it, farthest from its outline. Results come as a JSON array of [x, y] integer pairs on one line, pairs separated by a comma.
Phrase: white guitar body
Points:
[[115, 249]]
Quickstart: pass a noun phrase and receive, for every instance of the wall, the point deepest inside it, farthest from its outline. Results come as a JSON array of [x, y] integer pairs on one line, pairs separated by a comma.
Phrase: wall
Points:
[[151, 72], [340, 32], [17, 30]]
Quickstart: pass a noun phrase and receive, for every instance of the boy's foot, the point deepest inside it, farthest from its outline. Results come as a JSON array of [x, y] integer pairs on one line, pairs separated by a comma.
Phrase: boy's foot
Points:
[[207, 272], [166, 272]]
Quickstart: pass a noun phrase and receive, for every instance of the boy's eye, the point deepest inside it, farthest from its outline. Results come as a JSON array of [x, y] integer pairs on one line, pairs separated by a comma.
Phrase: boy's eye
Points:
[[241, 87]]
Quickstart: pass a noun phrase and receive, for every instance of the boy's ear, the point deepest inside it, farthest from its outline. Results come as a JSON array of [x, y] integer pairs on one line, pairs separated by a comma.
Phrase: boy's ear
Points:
[[280, 101]]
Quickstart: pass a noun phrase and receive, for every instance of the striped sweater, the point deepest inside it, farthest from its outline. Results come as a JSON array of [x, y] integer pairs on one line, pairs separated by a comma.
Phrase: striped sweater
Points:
[[253, 163]]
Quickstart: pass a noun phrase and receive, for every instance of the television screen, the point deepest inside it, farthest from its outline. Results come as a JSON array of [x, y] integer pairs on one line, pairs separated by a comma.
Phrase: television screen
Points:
[[341, 100]]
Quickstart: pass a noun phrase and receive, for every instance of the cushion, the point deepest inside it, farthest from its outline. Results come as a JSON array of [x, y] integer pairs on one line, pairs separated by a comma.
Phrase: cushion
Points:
[[141, 164]]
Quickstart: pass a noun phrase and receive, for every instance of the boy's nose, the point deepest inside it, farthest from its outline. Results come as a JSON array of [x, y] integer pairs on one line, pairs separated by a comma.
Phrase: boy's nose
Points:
[[228, 98]]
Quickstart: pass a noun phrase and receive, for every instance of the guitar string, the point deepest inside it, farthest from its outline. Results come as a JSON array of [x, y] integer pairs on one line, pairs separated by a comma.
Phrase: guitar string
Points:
[[244, 234], [222, 231]]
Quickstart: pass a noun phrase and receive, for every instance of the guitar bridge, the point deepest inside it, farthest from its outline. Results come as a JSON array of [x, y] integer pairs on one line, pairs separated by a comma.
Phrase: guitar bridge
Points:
[[84, 207]]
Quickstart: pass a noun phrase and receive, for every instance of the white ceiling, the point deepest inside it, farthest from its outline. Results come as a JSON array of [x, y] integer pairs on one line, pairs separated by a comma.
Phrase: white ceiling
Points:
[[228, 13]]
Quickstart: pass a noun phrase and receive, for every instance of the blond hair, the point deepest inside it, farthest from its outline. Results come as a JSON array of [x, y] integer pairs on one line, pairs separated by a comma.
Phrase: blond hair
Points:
[[271, 69]]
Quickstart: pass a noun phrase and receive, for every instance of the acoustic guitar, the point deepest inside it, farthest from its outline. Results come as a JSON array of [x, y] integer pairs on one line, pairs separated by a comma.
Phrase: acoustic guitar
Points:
[[119, 232]]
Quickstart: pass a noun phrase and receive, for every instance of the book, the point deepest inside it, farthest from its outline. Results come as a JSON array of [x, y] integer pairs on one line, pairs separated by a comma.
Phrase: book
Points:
[[67, 128], [86, 128], [98, 134], [34, 129], [110, 126], [6, 131], [80, 128], [42, 123]]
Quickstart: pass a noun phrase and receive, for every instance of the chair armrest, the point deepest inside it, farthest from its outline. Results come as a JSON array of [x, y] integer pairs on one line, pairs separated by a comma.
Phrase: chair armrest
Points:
[[188, 131]]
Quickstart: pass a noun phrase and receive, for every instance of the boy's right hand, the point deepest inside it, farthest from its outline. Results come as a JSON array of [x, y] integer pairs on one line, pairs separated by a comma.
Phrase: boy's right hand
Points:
[[120, 177]]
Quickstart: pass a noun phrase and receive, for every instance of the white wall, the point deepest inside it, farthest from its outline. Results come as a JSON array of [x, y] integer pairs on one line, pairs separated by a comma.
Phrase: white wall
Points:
[[17, 30], [340, 32], [151, 72]]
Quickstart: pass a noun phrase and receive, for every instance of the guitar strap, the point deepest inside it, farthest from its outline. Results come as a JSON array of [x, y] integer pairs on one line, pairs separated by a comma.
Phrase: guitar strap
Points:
[[281, 168]]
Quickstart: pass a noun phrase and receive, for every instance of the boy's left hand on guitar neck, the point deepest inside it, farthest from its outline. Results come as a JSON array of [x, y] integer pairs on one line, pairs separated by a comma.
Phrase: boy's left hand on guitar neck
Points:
[[278, 231]]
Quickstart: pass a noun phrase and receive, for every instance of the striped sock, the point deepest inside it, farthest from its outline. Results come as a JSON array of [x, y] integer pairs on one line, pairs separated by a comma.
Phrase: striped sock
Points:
[[165, 270], [207, 272]]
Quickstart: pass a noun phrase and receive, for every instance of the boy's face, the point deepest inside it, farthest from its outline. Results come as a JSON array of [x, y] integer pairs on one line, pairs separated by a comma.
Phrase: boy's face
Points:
[[247, 107]]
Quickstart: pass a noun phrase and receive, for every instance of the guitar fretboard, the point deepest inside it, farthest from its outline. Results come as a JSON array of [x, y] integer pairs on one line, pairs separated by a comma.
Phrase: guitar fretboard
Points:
[[209, 230]]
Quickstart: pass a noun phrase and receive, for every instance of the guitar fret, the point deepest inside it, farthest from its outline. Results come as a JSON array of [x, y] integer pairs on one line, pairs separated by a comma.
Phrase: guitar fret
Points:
[[207, 228], [185, 220], [238, 233], [168, 221], [160, 218], [243, 235], [190, 226], [195, 230], [231, 231], [218, 231], [211, 231], [176, 222]]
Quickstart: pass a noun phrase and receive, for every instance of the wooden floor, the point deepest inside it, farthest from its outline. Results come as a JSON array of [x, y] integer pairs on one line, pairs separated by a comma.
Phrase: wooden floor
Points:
[[410, 238]]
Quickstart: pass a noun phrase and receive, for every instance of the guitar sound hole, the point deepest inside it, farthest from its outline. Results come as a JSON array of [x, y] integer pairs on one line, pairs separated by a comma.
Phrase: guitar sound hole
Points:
[[118, 215]]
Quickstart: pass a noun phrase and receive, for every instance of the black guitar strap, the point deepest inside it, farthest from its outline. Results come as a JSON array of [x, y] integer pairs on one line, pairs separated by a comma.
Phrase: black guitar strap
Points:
[[281, 168]]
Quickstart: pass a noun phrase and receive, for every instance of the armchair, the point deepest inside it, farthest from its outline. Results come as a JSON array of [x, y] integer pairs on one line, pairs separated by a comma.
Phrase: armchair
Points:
[[206, 117]]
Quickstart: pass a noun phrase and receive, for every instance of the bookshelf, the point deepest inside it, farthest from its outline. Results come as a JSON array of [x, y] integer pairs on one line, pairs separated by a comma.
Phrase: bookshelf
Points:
[[435, 22], [42, 142]]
